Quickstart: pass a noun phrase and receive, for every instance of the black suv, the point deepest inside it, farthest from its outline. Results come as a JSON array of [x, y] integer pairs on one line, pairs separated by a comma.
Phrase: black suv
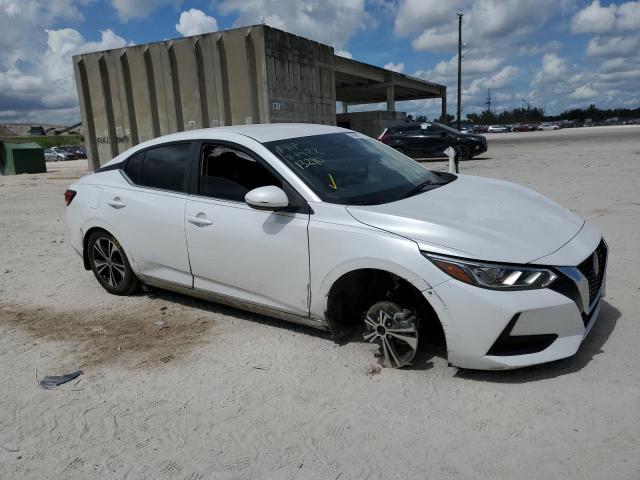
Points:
[[422, 140]]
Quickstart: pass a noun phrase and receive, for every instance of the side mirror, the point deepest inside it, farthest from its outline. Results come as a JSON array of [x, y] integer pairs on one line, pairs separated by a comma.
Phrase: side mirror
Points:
[[267, 198]]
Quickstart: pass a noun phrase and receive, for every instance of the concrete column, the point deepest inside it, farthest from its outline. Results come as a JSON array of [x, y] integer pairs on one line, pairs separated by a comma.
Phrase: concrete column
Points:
[[391, 99], [443, 115], [345, 107]]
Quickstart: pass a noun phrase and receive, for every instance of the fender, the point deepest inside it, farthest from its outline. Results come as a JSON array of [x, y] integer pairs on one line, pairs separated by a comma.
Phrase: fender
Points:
[[319, 303]]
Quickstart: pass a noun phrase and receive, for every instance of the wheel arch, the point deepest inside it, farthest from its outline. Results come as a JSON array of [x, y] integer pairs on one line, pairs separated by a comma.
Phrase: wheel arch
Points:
[[356, 278], [93, 226]]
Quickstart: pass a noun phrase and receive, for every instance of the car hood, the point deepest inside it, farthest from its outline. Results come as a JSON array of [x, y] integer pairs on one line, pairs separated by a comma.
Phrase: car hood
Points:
[[478, 218]]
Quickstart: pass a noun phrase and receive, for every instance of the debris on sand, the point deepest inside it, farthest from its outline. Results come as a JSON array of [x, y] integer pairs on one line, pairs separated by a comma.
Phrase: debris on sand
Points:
[[374, 369], [160, 323], [53, 381]]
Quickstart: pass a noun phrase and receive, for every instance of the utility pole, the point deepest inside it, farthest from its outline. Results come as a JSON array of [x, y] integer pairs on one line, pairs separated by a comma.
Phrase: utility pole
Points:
[[460, 14], [489, 100]]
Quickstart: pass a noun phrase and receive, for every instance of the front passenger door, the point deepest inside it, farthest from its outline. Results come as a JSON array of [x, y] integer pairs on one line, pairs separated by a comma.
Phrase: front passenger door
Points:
[[236, 251]]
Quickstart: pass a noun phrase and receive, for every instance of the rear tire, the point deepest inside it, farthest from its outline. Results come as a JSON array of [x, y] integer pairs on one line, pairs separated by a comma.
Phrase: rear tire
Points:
[[462, 152], [110, 265]]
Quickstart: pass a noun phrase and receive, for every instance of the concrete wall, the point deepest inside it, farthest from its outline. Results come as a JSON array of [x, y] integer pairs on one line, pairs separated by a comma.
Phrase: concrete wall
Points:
[[370, 123], [133, 94], [300, 78], [246, 75]]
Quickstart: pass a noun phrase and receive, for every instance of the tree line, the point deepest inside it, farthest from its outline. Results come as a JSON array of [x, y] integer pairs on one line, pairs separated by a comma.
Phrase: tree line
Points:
[[532, 114]]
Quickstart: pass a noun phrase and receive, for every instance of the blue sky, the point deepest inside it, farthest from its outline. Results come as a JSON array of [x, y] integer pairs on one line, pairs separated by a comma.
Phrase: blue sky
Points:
[[557, 54]]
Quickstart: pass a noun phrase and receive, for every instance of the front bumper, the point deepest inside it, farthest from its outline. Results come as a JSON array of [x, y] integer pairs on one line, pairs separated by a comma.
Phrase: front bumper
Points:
[[492, 330]]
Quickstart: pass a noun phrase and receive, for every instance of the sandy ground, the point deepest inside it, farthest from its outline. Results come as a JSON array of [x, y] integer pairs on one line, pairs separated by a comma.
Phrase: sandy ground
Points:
[[222, 394]]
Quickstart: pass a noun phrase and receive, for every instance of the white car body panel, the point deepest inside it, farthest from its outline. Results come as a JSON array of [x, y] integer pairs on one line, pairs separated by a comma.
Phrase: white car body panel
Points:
[[478, 218], [257, 256], [148, 214], [284, 263]]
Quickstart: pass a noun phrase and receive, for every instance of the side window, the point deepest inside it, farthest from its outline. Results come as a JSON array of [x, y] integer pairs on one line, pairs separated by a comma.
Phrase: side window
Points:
[[134, 167], [229, 174], [166, 167]]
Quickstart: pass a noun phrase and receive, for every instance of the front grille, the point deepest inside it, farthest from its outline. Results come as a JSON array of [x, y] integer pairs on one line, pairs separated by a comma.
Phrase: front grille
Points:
[[587, 269]]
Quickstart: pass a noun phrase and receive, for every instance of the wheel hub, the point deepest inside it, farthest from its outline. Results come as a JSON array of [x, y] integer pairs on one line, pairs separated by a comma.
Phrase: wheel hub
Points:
[[394, 330]]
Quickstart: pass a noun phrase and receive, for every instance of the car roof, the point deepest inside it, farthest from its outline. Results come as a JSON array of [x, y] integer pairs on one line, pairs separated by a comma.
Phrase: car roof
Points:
[[261, 132]]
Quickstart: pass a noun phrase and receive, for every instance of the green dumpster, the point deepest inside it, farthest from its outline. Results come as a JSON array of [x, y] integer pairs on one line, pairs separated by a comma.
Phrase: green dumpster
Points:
[[16, 158]]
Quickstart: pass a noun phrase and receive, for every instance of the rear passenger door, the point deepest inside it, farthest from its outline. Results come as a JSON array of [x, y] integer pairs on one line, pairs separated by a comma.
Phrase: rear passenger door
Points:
[[148, 212]]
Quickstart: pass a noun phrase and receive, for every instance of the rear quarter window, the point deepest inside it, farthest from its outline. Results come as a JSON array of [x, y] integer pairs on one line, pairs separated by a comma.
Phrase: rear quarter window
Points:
[[164, 168]]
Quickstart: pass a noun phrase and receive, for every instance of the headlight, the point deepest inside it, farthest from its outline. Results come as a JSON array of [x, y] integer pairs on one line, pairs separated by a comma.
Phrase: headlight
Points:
[[493, 275]]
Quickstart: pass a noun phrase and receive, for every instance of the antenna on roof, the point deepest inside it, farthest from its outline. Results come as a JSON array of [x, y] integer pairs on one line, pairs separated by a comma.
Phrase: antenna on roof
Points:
[[262, 19]]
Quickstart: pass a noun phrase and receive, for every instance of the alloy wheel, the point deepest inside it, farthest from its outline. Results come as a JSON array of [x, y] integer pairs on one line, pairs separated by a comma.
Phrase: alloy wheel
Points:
[[108, 261], [394, 330]]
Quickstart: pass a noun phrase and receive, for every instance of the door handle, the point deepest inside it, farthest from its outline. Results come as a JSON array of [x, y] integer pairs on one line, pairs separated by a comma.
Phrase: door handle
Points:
[[200, 220], [117, 203]]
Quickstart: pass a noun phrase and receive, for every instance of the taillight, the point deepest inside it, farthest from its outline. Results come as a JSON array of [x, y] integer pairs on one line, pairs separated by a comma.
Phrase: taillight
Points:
[[69, 195]]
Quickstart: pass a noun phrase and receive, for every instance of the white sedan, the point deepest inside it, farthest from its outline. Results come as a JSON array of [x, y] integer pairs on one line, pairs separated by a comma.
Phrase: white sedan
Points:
[[548, 126], [497, 129], [326, 227]]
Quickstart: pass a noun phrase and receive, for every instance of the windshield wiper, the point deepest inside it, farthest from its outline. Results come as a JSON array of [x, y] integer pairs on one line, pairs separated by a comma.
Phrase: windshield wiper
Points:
[[420, 186]]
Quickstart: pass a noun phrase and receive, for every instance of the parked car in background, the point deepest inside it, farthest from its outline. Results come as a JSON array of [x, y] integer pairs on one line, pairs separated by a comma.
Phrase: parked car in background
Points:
[[480, 129], [78, 150], [497, 129], [548, 126], [50, 155], [466, 130], [524, 127], [57, 154], [429, 140], [329, 228]]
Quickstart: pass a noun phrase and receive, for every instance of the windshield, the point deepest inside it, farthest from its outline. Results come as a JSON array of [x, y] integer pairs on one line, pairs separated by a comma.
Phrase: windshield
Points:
[[350, 168]]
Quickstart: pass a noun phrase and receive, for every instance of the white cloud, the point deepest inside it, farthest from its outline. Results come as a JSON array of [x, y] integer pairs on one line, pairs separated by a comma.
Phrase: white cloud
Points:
[[534, 50], [331, 22], [36, 71], [598, 19], [583, 92], [396, 67], [414, 15], [343, 53], [615, 65], [436, 40], [629, 16], [195, 22], [613, 46], [594, 19], [129, 9], [554, 68], [500, 79]]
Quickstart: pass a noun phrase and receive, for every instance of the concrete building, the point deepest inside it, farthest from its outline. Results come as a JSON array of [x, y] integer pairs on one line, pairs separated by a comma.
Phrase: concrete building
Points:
[[245, 75]]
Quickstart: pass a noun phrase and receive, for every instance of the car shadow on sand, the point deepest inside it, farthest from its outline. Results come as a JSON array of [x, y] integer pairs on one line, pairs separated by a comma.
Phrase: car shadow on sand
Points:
[[591, 346]]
